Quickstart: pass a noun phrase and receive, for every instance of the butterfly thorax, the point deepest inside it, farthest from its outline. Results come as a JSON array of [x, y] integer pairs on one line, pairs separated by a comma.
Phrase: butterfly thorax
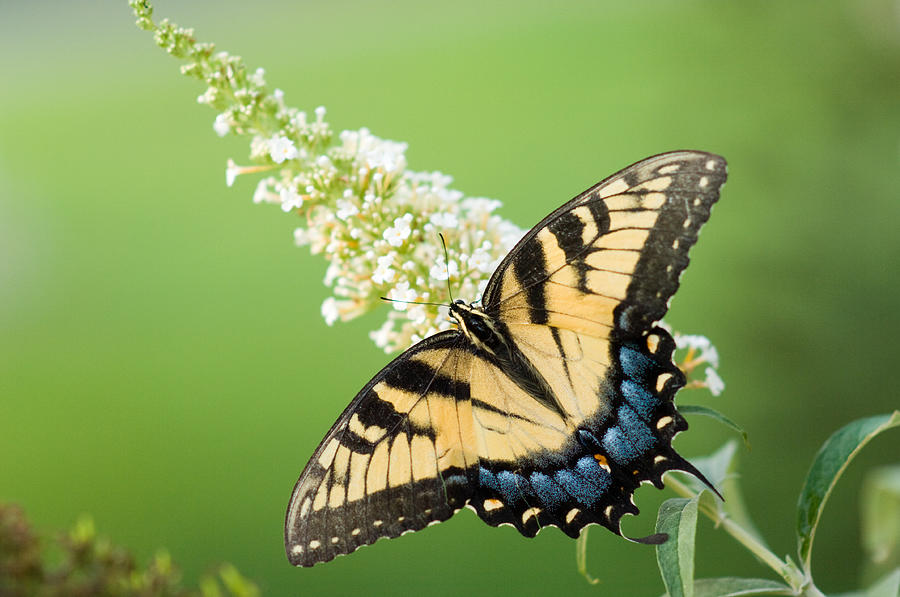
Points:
[[479, 327], [490, 338]]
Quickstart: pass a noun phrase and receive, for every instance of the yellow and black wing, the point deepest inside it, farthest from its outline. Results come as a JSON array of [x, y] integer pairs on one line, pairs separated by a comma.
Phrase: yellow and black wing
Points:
[[577, 300], [394, 461], [561, 425]]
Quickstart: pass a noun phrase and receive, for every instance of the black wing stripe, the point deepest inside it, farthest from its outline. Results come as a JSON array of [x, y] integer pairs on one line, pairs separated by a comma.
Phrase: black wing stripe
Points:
[[322, 521], [527, 269]]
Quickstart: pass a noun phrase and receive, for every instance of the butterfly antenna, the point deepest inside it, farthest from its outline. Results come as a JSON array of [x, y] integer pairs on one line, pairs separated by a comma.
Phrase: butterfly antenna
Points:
[[447, 265], [384, 298]]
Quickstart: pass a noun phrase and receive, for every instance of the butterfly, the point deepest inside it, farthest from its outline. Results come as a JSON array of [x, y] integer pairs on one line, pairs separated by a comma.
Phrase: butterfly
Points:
[[549, 404]]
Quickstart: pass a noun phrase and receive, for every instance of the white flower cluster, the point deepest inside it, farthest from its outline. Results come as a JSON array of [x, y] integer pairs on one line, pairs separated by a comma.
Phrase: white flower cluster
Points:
[[379, 229], [376, 223]]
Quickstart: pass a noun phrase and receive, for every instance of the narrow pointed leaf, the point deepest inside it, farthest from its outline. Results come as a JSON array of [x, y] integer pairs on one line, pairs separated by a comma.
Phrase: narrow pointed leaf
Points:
[[738, 587], [677, 518], [827, 467], [696, 409]]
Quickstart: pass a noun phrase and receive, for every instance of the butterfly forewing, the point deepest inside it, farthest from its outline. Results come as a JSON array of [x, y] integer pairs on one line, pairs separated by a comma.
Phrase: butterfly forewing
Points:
[[396, 460], [612, 256]]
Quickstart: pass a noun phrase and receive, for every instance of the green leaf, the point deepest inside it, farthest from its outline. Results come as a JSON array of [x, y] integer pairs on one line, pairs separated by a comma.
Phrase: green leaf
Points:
[[827, 467], [716, 465], [739, 587], [581, 557], [677, 518], [880, 513], [718, 469], [695, 409]]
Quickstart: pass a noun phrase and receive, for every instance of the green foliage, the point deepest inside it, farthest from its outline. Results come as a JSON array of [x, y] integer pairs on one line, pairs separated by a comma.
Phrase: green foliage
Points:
[[678, 518], [82, 563]]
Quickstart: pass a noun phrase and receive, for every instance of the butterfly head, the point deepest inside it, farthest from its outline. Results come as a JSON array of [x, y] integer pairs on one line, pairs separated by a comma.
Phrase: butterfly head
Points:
[[476, 325]]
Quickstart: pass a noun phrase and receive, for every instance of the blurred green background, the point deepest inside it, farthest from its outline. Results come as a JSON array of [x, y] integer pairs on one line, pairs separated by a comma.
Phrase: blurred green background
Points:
[[163, 363]]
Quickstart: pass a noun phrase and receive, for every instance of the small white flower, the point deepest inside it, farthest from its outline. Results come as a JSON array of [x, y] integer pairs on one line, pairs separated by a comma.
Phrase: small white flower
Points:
[[402, 292], [281, 148], [208, 97], [320, 113], [714, 382], [346, 209], [231, 172], [263, 192], [221, 125], [383, 335], [439, 271], [708, 352], [397, 234], [384, 272], [417, 314], [301, 237], [387, 156], [330, 310], [444, 220], [258, 78], [332, 272], [481, 260], [290, 199], [481, 286], [480, 205], [692, 341]]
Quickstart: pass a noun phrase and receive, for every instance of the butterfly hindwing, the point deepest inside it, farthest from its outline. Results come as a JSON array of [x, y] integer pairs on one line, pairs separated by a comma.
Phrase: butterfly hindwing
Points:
[[393, 462]]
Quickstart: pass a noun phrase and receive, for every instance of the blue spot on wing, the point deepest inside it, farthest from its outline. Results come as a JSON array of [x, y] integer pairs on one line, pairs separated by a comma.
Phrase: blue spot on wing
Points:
[[548, 492], [635, 364], [617, 446], [586, 481], [637, 431], [588, 468], [487, 479], [575, 486], [456, 480], [629, 438], [512, 487], [642, 401]]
